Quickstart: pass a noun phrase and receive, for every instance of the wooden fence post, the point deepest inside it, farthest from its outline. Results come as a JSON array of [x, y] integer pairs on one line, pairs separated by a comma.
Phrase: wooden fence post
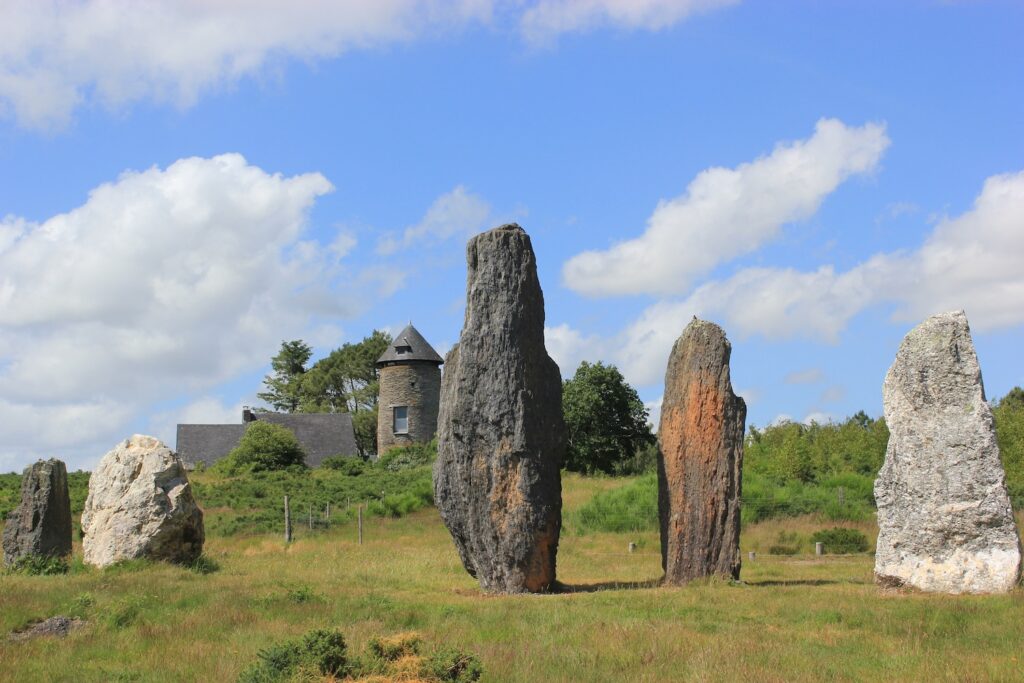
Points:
[[287, 521], [360, 525]]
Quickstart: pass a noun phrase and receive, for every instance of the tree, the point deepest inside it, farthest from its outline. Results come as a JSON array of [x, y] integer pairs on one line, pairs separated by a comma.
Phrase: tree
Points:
[[346, 382], [284, 387], [605, 419], [265, 446], [1009, 418]]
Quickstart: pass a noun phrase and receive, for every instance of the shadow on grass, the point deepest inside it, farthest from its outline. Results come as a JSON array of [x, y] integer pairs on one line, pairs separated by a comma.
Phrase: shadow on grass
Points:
[[563, 588]]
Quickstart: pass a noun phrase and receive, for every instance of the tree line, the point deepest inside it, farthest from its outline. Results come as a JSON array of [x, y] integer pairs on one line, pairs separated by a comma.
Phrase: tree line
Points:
[[607, 423]]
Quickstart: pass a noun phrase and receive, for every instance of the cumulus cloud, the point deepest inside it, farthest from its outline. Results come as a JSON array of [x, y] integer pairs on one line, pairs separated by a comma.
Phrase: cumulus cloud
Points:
[[568, 347], [971, 262], [57, 56], [548, 18], [455, 213], [726, 213], [164, 282]]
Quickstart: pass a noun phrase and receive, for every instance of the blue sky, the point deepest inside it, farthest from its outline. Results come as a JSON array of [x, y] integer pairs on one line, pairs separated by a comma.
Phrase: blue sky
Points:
[[183, 186]]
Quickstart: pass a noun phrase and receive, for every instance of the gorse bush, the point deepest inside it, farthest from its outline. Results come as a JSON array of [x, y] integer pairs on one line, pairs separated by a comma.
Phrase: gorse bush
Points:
[[324, 652], [840, 541], [320, 651]]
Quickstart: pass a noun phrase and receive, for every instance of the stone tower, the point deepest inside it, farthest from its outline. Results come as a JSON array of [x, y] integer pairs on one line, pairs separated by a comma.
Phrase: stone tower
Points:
[[410, 391]]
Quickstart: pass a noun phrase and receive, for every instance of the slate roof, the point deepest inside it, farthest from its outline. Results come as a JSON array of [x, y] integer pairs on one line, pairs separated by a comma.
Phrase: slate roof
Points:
[[419, 349], [321, 435]]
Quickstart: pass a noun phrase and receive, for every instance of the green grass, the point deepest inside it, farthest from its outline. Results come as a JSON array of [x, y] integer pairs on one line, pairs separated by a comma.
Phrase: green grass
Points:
[[796, 618]]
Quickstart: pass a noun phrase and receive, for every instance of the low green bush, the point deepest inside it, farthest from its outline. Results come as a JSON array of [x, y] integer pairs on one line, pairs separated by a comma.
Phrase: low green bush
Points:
[[841, 541], [453, 666], [408, 457], [323, 652], [320, 651], [347, 465]]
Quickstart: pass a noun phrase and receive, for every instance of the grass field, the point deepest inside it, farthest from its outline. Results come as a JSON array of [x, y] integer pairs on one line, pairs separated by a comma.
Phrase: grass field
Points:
[[790, 619]]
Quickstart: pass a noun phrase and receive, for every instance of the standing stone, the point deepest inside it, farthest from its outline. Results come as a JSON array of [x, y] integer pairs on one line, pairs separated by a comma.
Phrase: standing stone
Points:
[[501, 436], [140, 504], [944, 517], [700, 459], [41, 524]]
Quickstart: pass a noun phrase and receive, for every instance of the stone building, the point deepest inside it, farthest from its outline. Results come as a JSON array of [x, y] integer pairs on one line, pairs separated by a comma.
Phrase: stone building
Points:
[[321, 435], [410, 391]]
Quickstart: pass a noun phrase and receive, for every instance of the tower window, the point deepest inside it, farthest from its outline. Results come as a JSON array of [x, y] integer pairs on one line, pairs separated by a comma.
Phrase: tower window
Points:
[[402, 350], [401, 419]]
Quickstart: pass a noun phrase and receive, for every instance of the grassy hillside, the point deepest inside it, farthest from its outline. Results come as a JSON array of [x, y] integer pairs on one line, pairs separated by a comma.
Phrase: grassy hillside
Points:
[[792, 618]]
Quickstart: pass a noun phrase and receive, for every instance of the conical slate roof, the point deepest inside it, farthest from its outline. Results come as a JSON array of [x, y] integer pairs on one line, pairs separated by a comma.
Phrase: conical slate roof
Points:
[[409, 345]]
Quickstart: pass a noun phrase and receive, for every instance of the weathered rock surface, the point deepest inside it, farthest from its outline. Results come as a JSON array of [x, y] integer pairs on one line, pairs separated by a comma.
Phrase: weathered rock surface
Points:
[[501, 437], [57, 627], [944, 516], [140, 504], [700, 458], [41, 524]]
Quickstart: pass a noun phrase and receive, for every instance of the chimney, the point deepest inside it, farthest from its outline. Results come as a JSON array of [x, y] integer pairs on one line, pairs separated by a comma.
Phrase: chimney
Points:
[[248, 415]]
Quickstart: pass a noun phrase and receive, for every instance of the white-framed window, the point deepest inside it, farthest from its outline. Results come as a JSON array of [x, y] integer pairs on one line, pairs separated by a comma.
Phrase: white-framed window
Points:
[[401, 419]]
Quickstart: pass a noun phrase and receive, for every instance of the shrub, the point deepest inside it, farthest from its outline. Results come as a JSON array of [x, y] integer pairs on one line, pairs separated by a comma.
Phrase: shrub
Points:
[[264, 446], [454, 666], [204, 564], [408, 457], [786, 543], [394, 647], [840, 540], [347, 465], [39, 565], [321, 650], [324, 653]]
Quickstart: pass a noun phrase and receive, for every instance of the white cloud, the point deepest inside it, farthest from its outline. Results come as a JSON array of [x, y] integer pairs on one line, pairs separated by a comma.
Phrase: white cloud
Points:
[[807, 376], [163, 283], [726, 213], [969, 262], [568, 348], [455, 213], [817, 417], [548, 18], [654, 412], [55, 57]]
